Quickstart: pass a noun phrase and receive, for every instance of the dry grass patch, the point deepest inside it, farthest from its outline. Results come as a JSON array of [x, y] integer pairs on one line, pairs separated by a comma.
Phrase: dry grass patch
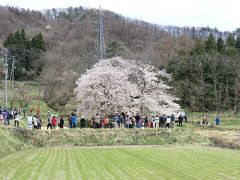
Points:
[[226, 138]]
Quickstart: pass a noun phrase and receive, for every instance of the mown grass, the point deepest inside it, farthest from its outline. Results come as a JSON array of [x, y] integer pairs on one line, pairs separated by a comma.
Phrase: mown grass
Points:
[[153, 162]]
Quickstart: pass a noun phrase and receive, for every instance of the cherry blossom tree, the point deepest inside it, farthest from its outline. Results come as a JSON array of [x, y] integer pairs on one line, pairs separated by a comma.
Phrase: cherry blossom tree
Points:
[[117, 84]]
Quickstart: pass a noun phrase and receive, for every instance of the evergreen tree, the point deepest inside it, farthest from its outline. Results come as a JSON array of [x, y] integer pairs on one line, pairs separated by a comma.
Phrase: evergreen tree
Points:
[[26, 53], [199, 48], [19, 38], [237, 45], [9, 40], [113, 49], [220, 44], [230, 42], [38, 42], [24, 39], [211, 44]]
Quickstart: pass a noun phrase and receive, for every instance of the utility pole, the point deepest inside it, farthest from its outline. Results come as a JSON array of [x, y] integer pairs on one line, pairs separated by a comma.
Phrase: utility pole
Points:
[[4, 54], [6, 78], [12, 71], [101, 42]]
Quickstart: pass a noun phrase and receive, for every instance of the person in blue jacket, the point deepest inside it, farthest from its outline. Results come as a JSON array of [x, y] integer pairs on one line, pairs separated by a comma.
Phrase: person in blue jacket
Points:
[[74, 120], [217, 120]]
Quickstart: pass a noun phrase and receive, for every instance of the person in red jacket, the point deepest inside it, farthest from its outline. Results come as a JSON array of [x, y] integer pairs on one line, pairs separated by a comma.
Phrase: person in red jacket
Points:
[[38, 110], [54, 122], [31, 110]]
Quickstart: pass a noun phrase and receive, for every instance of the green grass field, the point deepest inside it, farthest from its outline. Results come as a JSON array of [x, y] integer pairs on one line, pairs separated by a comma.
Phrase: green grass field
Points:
[[174, 162]]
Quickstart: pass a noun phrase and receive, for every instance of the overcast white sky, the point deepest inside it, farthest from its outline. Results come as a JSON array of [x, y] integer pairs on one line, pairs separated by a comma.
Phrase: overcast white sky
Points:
[[223, 14]]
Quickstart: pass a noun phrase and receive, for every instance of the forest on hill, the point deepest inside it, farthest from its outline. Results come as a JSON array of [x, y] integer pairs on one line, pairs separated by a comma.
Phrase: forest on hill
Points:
[[60, 44]]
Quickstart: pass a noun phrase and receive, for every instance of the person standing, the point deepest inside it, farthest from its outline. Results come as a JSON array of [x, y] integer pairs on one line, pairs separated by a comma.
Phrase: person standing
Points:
[[133, 122], [180, 120], [39, 122], [82, 122], [49, 124], [105, 122], [172, 123], [24, 111], [17, 120], [12, 113], [97, 121], [149, 125], [116, 120], [205, 121], [138, 121], [31, 110], [111, 121], [172, 118], [61, 122], [74, 120], [121, 121], [123, 115], [5, 118], [164, 120], [54, 122], [168, 122], [155, 121], [127, 121], [8, 117], [145, 121], [38, 110], [217, 121], [35, 124]]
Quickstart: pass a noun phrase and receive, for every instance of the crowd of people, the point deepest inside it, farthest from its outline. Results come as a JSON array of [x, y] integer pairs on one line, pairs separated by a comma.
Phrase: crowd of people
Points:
[[205, 121], [122, 120], [116, 120], [10, 114]]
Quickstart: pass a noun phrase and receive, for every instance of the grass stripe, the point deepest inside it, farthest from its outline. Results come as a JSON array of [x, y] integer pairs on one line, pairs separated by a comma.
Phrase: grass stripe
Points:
[[122, 163]]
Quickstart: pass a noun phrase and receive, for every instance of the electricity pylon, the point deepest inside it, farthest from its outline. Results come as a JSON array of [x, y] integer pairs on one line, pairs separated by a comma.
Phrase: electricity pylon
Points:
[[101, 42]]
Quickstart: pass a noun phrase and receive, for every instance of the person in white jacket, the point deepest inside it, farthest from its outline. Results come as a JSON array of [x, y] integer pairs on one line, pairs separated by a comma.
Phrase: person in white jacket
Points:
[[168, 121], [17, 120], [35, 124], [155, 121]]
